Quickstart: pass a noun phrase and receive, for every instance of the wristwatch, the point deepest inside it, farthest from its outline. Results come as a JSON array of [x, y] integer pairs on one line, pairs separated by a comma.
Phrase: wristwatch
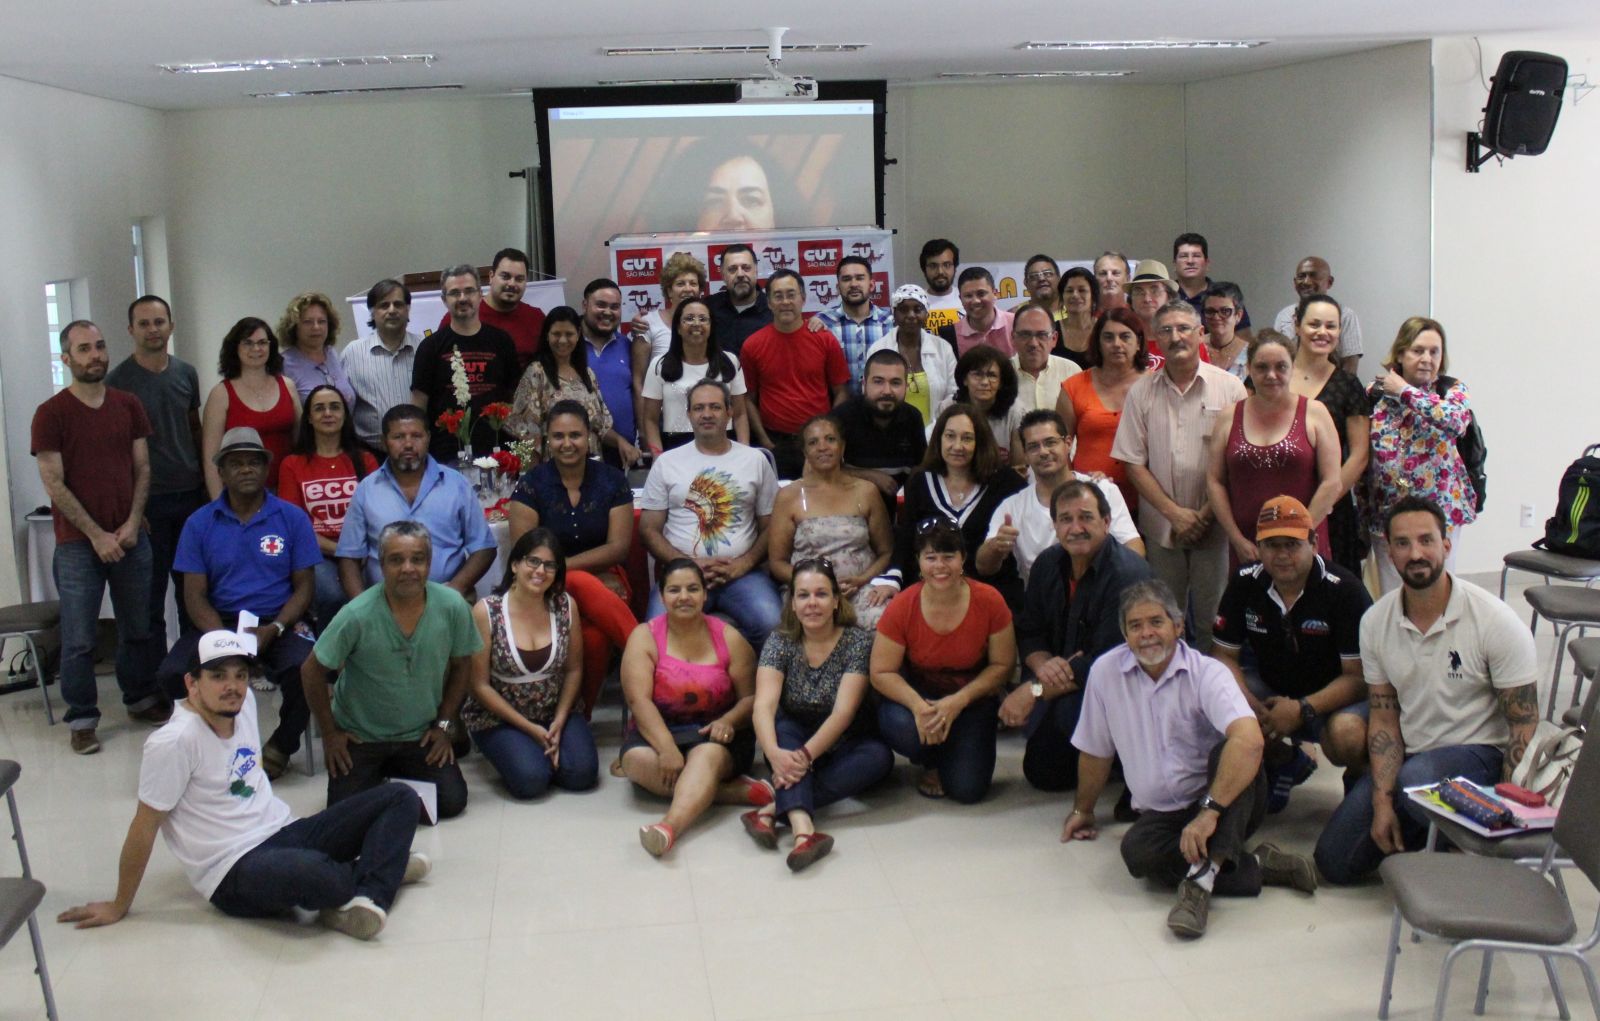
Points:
[[1212, 803], [1308, 715], [279, 625], [1037, 688], [443, 725]]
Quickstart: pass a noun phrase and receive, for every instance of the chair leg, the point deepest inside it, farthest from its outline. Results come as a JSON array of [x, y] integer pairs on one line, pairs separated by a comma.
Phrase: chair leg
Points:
[[1555, 673], [1588, 980], [1388, 967], [1503, 572], [16, 833], [1429, 847], [1444, 979], [40, 968], [1483, 983], [1555, 987], [38, 673]]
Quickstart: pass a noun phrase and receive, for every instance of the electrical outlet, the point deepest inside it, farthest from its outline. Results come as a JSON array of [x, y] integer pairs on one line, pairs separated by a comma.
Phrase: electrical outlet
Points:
[[1529, 515]]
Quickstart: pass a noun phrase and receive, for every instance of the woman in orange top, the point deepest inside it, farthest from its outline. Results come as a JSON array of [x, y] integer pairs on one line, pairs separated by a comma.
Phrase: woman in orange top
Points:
[[1091, 402]]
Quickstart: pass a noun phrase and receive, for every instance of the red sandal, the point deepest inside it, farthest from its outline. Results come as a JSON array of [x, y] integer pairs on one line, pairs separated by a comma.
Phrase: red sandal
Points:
[[657, 838], [757, 792], [760, 828], [808, 849]]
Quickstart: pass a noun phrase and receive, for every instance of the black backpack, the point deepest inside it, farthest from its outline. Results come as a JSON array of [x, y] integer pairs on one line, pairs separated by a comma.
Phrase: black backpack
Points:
[[1574, 529], [1474, 455]]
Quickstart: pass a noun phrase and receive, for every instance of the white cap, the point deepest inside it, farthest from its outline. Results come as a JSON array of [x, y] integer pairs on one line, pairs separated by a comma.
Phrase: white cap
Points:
[[909, 292], [220, 645]]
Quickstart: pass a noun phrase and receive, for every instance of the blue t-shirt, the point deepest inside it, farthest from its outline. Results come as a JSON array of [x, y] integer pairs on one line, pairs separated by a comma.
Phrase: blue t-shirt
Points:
[[445, 505], [613, 369], [586, 526], [248, 564]]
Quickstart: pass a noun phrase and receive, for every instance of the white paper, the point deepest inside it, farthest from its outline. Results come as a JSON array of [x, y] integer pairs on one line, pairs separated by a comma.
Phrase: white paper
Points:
[[429, 793]]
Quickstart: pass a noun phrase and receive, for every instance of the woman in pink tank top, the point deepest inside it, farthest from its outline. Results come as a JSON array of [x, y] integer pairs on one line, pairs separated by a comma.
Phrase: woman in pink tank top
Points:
[[1276, 443], [689, 681], [252, 379]]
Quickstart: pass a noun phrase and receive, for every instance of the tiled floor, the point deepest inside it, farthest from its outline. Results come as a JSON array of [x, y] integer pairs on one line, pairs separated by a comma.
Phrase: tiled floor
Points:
[[552, 910]]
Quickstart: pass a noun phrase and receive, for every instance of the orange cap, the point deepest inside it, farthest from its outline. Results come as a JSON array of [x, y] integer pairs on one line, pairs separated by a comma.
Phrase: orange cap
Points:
[[1285, 516]]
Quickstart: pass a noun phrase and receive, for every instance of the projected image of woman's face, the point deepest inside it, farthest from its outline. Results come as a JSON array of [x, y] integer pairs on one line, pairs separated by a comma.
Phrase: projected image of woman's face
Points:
[[737, 197]]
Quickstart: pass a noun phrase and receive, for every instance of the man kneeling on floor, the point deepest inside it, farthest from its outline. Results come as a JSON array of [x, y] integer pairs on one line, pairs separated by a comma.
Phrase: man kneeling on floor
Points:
[[202, 786], [1191, 754]]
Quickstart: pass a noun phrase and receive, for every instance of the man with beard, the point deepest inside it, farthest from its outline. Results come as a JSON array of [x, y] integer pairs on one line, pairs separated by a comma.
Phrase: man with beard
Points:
[[883, 435], [1313, 275], [503, 309], [740, 308], [1451, 682], [487, 355], [380, 366], [855, 320], [202, 787], [92, 445], [1191, 754], [939, 260]]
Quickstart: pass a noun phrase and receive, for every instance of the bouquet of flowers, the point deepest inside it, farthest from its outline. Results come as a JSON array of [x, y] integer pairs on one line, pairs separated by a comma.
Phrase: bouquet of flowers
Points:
[[460, 421], [495, 414], [510, 464]]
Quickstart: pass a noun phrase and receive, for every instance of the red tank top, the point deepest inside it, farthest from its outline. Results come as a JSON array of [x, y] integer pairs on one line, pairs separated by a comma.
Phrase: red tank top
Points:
[[275, 426], [1257, 474]]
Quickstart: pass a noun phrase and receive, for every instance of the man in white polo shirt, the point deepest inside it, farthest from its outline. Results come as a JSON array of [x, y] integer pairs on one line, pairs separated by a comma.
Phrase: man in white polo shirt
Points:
[[1450, 677]]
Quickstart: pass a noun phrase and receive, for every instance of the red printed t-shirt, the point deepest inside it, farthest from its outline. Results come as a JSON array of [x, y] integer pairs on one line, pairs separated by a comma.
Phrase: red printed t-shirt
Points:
[[522, 324], [322, 487], [789, 375], [939, 664], [96, 448]]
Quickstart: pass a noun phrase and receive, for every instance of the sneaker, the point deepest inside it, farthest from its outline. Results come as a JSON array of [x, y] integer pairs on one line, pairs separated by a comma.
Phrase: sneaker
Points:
[[274, 761], [1286, 778], [1188, 916], [157, 714], [84, 742], [1280, 868], [359, 918], [418, 865]]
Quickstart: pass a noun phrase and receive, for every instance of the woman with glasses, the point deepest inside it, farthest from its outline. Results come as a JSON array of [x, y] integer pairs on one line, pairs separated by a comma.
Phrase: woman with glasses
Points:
[[1317, 375], [560, 372], [310, 329], [1079, 295], [986, 381], [810, 685], [526, 678], [1091, 401], [689, 683], [930, 361], [253, 393], [831, 513], [1275, 443], [944, 650], [692, 354], [320, 478]]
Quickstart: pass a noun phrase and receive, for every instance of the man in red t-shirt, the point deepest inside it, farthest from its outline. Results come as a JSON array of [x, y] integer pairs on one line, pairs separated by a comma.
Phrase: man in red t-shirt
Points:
[[92, 446], [791, 373], [503, 309]]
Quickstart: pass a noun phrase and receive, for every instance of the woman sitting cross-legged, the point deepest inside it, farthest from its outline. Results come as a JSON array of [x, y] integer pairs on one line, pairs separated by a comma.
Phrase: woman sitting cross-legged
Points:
[[809, 687], [945, 648], [526, 677], [688, 682]]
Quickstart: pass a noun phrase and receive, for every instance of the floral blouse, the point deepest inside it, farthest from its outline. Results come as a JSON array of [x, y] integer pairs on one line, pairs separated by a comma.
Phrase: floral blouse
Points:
[[535, 695], [535, 397], [1414, 453]]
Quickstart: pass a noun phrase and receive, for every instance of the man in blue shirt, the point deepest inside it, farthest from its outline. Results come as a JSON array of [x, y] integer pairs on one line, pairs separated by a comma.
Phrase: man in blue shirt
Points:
[[610, 358], [413, 486], [855, 320], [249, 552]]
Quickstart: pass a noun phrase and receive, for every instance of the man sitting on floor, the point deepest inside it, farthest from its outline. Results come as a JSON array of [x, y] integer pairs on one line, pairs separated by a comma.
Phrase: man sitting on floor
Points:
[[1191, 754], [202, 787]]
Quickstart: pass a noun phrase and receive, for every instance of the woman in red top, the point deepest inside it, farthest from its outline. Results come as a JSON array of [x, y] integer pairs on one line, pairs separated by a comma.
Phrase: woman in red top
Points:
[[943, 652], [320, 478], [1091, 401], [252, 393]]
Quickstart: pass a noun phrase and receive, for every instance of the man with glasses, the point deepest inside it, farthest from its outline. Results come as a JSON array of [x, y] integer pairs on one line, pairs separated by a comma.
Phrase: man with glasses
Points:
[[1221, 310], [1300, 618], [503, 308], [1162, 438], [1313, 275], [855, 320], [1039, 373], [939, 260], [792, 373], [1040, 276], [487, 354], [380, 366]]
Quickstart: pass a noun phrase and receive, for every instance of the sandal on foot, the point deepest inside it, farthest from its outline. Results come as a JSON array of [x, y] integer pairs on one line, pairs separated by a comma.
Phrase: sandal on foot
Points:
[[929, 786], [756, 792], [657, 838], [760, 828], [808, 849]]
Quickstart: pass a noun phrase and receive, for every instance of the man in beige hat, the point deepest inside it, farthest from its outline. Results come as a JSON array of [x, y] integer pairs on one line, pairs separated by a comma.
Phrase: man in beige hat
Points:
[[1149, 289]]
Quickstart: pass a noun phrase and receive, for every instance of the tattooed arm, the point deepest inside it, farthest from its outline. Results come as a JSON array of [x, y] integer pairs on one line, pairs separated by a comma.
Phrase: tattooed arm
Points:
[[1521, 708], [1387, 752]]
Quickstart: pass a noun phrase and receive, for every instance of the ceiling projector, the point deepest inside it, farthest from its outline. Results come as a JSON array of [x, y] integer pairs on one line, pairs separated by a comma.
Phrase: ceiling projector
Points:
[[777, 89]]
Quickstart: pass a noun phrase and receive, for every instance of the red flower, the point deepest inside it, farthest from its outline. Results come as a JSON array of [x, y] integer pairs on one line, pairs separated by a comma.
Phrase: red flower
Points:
[[497, 412], [510, 464], [450, 421]]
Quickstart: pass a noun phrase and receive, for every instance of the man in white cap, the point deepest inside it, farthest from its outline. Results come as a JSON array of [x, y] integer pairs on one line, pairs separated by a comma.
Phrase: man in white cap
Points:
[[203, 788]]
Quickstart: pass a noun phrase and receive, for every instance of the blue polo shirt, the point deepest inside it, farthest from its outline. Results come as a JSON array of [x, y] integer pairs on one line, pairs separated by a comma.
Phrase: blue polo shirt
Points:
[[445, 505], [248, 564], [613, 369]]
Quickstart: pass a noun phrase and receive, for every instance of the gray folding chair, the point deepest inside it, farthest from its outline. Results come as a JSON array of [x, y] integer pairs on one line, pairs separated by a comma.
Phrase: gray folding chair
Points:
[[1499, 906], [20, 898], [1566, 607], [1547, 566], [24, 621]]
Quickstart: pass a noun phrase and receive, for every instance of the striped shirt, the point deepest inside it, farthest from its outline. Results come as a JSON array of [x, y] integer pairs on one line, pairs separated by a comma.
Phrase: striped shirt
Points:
[[382, 379]]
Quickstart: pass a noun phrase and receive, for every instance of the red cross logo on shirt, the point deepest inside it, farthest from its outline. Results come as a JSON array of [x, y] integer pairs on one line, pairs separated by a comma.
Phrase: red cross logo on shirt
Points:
[[272, 545]]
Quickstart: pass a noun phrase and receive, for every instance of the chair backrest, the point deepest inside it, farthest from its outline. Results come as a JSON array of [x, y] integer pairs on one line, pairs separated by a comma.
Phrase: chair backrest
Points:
[[1578, 823]]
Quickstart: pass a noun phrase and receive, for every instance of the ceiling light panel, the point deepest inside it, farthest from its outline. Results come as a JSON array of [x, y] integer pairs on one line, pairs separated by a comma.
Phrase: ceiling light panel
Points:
[[1145, 44], [671, 81], [297, 63], [739, 50], [1036, 74], [375, 91]]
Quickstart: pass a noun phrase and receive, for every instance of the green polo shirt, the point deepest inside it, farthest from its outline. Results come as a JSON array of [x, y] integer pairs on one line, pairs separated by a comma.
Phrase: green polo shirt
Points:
[[389, 685]]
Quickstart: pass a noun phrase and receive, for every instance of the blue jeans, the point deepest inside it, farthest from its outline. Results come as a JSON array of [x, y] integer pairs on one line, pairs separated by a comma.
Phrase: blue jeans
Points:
[[81, 580], [526, 769], [355, 848], [1050, 762], [328, 598], [751, 602], [166, 513], [1346, 851], [965, 760], [852, 765]]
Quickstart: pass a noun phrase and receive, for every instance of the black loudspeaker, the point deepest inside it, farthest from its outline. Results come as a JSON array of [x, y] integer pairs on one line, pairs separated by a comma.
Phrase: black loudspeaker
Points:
[[1524, 102]]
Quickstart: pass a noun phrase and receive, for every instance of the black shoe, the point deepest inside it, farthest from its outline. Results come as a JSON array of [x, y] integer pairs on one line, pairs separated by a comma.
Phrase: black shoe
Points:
[[156, 714]]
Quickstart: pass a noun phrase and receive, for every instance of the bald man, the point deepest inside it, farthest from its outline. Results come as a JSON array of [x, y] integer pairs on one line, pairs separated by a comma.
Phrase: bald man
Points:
[[1313, 276]]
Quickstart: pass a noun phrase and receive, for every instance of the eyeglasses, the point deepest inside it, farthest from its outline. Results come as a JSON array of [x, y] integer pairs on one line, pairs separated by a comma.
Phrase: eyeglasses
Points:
[[1039, 277], [702, 320], [984, 374], [1218, 313], [537, 564], [814, 564], [1032, 334], [927, 525], [1176, 331], [255, 342], [460, 292]]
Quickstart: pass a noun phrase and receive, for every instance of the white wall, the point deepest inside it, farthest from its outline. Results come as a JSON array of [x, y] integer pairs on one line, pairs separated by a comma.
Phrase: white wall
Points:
[[1009, 170], [78, 171], [1329, 157], [1513, 253], [334, 197]]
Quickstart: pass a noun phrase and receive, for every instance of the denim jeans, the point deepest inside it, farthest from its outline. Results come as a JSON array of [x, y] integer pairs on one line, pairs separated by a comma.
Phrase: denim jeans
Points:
[[355, 848], [166, 513], [751, 602], [281, 664], [328, 597], [965, 760], [526, 769], [374, 762], [1346, 851], [852, 765], [1050, 762], [81, 580]]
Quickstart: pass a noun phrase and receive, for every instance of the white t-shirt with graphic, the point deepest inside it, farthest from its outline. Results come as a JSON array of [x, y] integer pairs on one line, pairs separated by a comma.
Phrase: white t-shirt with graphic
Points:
[[712, 502], [218, 800], [674, 395]]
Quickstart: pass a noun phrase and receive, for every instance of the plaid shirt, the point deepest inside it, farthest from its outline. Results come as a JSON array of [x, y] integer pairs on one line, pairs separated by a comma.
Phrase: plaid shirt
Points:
[[857, 338]]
